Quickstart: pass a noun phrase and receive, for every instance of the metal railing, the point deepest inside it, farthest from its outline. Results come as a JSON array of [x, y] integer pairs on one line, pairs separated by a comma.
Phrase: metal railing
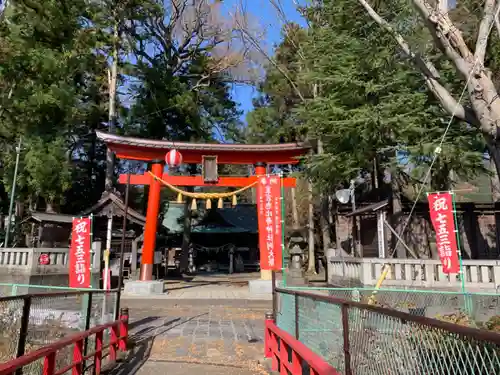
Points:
[[480, 307], [361, 339], [48, 360], [288, 355], [16, 289], [29, 322]]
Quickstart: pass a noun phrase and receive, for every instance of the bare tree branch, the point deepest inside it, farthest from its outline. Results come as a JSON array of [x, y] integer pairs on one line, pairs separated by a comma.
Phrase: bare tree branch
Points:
[[255, 42], [183, 30], [497, 25], [484, 31], [247, 36], [276, 4], [426, 68], [446, 36]]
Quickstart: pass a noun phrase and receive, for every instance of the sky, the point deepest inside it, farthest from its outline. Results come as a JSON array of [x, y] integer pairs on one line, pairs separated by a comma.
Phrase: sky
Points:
[[264, 12]]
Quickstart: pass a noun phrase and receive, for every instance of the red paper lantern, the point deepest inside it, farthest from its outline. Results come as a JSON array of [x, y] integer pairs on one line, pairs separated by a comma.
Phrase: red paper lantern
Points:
[[173, 158]]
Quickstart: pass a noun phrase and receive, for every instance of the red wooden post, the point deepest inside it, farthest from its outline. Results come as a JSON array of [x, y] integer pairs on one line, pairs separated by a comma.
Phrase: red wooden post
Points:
[[300, 354], [78, 358], [123, 329], [284, 358], [98, 353], [49, 364], [113, 343], [345, 331], [274, 350], [268, 353], [150, 228], [296, 363]]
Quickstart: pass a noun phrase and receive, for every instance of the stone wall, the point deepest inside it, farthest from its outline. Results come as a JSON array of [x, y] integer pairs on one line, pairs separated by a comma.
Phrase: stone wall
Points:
[[479, 275], [21, 266]]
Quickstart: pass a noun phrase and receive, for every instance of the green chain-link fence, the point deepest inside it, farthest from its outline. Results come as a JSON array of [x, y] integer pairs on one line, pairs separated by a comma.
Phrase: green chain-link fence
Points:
[[42, 319], [385, 341], [479, 307]]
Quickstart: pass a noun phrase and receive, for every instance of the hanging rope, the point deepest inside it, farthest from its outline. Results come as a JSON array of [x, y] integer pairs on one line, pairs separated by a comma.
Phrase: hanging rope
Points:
[[207, 196]]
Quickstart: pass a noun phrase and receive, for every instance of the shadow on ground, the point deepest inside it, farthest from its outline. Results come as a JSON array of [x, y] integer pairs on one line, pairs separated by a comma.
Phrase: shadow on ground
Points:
[[141, 342]]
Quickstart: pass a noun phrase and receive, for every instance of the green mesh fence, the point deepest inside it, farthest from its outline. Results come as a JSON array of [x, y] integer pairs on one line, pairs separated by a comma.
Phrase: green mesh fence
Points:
[[50, 318], [382, 344], [479, 307]]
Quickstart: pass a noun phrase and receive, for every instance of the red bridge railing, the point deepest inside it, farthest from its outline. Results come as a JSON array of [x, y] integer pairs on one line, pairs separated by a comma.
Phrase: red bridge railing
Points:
[[289, 355], [117, 342]]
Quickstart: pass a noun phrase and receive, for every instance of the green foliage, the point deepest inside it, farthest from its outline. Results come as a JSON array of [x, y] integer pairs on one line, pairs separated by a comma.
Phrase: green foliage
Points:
[[272, 119], [54, 62], [48, 73], [166, 106], [363, 101], [47, 166]]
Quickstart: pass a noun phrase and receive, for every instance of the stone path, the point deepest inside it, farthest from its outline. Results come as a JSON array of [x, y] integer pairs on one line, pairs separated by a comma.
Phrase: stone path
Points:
[[195, 337], [211, 287], [156, 368]]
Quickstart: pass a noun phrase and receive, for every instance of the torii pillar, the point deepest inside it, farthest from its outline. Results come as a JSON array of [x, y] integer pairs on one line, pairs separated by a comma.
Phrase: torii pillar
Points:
[[148, 249]]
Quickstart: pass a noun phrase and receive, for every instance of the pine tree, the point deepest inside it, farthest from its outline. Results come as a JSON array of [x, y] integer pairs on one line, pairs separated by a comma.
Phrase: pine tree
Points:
[[375, 107], [47, 69]]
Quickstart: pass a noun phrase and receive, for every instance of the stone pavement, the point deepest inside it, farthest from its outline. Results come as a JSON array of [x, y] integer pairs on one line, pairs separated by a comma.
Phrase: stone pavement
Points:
[[156, 368], [195, 336], [211, 287]]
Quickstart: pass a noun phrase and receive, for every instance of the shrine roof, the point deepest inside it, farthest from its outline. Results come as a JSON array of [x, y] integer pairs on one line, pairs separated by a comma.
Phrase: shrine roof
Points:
[[113, 203], [133, 148]]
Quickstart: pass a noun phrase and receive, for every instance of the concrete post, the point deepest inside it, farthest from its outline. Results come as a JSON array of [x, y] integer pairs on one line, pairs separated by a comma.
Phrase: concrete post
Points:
[[96, 260]]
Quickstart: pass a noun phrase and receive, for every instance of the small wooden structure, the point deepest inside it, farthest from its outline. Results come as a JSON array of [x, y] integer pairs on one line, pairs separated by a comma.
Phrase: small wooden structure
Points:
[[48, 229], [51, 230], [108, 212]]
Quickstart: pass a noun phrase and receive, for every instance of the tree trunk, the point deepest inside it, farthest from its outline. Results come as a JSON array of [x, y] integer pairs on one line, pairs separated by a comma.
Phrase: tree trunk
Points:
[[112, 81], [338, 238], [494, 153], [253, 190], [494, 167], [311, 263], [19, 210], [323, 220], [397, 219], [295, 211], [325, 224], [49, 207], [186, 235]]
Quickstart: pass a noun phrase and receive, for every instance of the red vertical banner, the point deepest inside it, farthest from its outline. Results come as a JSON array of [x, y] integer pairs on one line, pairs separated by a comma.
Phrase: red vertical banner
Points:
[[443, 221], [79, 256], [269, 216]]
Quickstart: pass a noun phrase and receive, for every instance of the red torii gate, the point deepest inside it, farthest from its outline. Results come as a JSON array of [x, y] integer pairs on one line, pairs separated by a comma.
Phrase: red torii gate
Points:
[[154, 151]]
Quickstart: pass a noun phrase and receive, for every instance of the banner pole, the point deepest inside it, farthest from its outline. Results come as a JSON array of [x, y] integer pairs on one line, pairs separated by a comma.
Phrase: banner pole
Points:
[[87, 298], [92, 253], [468, 306], [459, 251], [282, 198]]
